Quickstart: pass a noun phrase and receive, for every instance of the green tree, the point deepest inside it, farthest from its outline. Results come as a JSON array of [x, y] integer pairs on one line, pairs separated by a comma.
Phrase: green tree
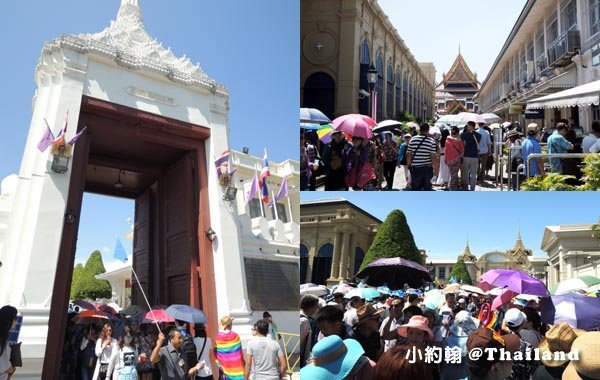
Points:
[[393, 239], [460, 272], [85, 284], [76, 282]]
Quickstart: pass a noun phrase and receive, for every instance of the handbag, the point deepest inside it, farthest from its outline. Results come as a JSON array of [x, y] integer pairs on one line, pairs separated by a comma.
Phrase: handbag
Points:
[[15, 355], [366, 175], [351, 178]]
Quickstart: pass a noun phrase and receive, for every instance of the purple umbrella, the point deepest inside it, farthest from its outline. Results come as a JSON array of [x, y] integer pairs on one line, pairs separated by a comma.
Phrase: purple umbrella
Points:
[[577, 310], [395, 272], [516, 281]]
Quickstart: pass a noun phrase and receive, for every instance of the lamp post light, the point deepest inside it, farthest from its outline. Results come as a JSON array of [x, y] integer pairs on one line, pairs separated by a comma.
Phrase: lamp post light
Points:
[[372, 80]]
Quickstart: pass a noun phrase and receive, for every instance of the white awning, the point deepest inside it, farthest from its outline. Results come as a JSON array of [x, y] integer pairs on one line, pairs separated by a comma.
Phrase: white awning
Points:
[[582, 96]]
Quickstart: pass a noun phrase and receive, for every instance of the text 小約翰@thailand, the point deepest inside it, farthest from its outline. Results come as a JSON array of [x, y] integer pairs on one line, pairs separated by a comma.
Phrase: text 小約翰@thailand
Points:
[[453, 355]]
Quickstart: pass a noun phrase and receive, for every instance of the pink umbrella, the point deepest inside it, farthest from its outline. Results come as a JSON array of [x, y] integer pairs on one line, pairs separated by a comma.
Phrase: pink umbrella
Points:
[[503, 298], [159, 315], [355, 125], [485, 286]]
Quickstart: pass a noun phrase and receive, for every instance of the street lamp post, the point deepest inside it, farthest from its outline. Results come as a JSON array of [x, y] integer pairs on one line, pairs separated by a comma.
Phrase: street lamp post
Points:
[[372, 79]]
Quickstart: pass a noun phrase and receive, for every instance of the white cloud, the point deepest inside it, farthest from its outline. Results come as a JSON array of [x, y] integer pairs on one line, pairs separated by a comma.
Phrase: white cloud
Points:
[[105, 249]]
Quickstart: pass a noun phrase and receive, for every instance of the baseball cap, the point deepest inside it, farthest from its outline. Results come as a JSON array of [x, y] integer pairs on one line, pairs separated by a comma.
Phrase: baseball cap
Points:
[[514, 317], [533, 127], [483, 338]]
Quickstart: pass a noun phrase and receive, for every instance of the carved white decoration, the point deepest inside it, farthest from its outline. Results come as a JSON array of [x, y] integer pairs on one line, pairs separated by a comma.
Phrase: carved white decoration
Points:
[[126, 41]]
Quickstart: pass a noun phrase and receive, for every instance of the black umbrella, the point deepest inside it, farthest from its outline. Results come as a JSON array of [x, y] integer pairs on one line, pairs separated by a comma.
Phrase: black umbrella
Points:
[[388, 126], [395, 272]]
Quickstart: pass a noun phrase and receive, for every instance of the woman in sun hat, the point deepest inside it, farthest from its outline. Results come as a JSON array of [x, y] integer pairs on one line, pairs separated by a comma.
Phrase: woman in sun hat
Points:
[[416, 331], [588, 365], [336, 359]]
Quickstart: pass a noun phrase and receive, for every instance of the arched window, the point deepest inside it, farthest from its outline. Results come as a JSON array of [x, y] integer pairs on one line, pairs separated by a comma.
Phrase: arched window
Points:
[[303, 262], [359, 255], [322, 264], [390, 93], [365, 62], [319, 93], [398, 89], [379, 87]]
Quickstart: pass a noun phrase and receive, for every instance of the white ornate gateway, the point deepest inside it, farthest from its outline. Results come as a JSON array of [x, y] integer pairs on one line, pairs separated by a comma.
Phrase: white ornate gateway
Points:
[[157, 121]]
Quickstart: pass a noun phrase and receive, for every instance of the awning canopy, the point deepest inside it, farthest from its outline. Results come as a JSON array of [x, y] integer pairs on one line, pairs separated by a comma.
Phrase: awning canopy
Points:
[[582, 96]]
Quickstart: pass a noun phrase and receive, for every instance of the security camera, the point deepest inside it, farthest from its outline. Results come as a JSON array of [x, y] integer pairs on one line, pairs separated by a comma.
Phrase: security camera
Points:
[[589, 257], [363, 93]]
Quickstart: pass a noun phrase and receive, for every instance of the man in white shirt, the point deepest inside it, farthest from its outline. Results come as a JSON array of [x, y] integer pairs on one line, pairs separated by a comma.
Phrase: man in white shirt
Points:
[[264, 355], [351, 316], [391, 323], [591, 139], [485, 149]]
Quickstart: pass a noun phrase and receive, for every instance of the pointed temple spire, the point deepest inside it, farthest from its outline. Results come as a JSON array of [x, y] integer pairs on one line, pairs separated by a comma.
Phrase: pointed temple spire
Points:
[[135, 3], [467, 255], [519, 242]]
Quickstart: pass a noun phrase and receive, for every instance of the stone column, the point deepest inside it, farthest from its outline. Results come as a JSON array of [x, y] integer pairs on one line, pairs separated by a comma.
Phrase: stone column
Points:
[[337, 247], [348, 64], [345, 254]]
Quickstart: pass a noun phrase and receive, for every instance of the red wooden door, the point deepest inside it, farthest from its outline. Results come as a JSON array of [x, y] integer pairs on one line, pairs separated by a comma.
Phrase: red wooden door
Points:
[[178, 224], [142, 243]]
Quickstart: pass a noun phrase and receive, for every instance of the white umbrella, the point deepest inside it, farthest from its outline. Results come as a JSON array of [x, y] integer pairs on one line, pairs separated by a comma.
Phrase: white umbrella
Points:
[[470, 116], [472, 289], [317, 290], [491, 118]]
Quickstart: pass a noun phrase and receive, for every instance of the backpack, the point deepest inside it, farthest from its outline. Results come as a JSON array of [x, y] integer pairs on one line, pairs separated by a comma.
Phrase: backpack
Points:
[[189, 350]]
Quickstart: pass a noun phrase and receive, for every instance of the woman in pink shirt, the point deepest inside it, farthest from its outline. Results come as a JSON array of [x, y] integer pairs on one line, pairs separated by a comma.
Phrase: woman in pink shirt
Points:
[[454, 153]]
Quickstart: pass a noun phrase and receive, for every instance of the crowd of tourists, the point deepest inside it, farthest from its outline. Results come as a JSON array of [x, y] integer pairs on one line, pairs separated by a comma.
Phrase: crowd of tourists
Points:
[[398, 337], [452, 158], [131, 348]]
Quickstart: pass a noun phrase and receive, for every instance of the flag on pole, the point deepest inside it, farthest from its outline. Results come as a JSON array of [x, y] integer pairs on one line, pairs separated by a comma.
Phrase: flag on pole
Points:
[[77, 136], [263, 178], [120, 253], [61, 135], [374, 105], [282, 193], [253, 190], [222, 162], [47, 138]]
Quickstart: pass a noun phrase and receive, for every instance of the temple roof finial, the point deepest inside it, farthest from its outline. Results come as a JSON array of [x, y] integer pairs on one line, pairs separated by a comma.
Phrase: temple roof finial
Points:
[[135, 3], [459, 48]]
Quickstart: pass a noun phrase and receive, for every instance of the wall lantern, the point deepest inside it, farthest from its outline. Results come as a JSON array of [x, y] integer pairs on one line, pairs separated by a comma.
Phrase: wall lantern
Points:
[[62, 154]]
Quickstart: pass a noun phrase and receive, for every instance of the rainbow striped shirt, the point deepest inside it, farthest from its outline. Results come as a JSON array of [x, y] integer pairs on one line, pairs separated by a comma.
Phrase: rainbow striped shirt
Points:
[[229, 355]]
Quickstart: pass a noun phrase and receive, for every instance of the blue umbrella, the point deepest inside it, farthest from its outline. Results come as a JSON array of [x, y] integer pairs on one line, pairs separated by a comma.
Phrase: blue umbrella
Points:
[[384, 290], [313, 115], [364, 293], [187, 313], [579, 311], [313, 126]]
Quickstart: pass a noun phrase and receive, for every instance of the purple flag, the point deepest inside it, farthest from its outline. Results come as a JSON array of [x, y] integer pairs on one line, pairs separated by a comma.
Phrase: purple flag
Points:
[[47, 138], [77, 136], [282, 193], [253, 190]]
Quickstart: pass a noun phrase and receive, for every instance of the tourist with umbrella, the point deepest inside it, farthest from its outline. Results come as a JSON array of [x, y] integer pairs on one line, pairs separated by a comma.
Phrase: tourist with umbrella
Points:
[[401, 159], [360, 172]]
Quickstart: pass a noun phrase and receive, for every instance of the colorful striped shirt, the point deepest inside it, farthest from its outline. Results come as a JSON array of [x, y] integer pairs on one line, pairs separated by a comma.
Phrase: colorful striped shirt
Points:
[[229, 355]]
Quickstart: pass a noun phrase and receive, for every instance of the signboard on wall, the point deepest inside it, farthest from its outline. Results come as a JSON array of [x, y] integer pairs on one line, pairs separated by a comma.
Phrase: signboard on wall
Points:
[[267, 280], [535, 114], [515, 110]]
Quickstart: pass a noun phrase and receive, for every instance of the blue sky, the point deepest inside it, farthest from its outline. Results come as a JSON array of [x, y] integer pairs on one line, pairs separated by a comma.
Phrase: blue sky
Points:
[[481, 28], [250, 47], [440, 223]]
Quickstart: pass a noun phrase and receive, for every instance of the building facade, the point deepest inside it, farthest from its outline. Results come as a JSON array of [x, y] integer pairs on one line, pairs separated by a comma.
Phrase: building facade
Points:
[[572, 251], [158, 123], [336, 235], [339, 41], [554, 45], [456, 93]]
